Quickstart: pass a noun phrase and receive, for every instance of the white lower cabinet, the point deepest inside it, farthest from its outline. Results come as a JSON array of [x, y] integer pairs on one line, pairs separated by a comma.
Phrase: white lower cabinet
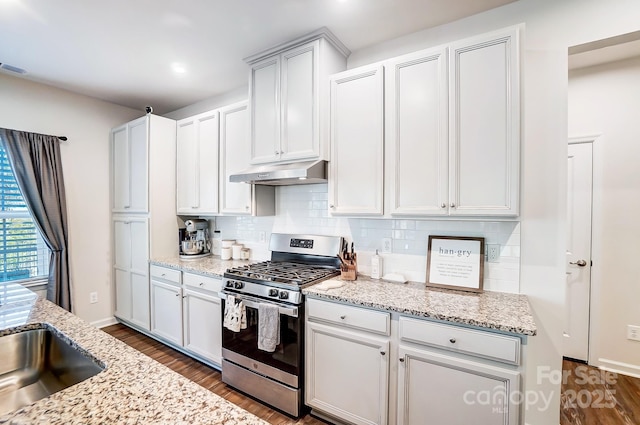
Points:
[[166, 311], [435, 388], [445, 373], [347, 364], [201, 322], [186, 312]]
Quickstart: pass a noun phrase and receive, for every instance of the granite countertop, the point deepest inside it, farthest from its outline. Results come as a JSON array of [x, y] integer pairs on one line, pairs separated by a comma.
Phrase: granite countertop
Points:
[[133, 389], [208, 266], [493, 310]]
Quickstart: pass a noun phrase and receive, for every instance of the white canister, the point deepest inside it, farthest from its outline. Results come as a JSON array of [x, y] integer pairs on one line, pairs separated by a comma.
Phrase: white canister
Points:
[[216, 242], [246, 253], [236, 251], [225, 253], [228, 243]]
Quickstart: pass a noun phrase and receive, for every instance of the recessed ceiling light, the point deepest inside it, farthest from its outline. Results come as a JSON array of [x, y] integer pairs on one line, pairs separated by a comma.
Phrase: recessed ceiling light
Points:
[[178, 68]]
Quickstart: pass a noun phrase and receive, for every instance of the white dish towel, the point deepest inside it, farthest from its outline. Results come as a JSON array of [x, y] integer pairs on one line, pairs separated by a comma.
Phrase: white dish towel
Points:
[[268, 327], [235, 314]]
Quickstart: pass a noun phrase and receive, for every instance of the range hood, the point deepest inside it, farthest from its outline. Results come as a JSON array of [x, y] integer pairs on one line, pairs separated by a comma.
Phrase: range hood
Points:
[[283, 174]]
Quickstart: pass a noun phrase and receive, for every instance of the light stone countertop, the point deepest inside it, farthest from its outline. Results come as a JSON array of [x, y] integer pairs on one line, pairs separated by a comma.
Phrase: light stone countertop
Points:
[[133, 389], [493, 310]]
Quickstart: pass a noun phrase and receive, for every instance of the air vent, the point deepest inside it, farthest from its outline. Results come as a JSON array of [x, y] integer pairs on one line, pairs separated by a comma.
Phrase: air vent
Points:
[[11, 68]]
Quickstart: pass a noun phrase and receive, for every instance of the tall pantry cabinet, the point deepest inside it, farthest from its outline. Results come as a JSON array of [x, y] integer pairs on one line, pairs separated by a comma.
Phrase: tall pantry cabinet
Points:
[[143, 164]]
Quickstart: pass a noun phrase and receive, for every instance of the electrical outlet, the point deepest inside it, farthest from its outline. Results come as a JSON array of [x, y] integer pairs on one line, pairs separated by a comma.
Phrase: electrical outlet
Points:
[[262, 236], [493, 253], [93, 297], [633, 332], [386, 245]]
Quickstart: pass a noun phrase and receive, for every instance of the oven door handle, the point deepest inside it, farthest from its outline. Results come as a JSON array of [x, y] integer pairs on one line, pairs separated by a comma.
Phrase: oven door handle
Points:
[[252, 302]]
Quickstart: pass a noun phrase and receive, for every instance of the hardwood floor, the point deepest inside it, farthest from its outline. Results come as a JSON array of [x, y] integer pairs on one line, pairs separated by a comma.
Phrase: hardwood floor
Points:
[[203, 375], [589, 396]]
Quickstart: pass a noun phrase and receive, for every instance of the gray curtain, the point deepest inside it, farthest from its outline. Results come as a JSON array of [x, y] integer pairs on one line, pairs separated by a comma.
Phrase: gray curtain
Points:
[[35, 160]]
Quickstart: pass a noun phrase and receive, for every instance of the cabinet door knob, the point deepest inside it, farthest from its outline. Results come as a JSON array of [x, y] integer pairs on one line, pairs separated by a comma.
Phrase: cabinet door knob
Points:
[[443, 205], [177, 295], [331, 206], [184, 296], [277, 152], [201, 283], [281, 152], [452, 205], [343, 317], [452, 340], [246, 207], [382, 353], [401, 359]]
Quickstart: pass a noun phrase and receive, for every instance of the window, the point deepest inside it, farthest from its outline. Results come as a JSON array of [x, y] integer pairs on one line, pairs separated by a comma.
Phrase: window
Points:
[[23, 253]]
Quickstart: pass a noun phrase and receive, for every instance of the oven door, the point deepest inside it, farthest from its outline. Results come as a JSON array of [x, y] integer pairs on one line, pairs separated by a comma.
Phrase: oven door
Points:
[[241, 348]]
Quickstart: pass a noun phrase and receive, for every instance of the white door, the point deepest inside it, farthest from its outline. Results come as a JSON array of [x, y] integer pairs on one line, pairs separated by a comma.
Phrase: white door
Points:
[[166, 311], [235, 198], [579, 194], [356, 176], [202, 328], [265, 111], [435, 388], [299, 131], [348, 374], [186, 165]]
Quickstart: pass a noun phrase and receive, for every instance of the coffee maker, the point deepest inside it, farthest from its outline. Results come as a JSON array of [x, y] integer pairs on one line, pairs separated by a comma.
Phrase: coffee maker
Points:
[[194, 239]]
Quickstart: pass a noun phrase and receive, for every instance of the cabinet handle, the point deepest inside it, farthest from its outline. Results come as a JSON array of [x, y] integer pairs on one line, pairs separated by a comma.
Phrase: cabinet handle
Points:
[[163, 275], [452, 205], [443, 205], [452, 340], [177, 295], [277, 153], [246, 207], [382, 353], [401, 359], [201, 283], [281, 152], [332, 206], [126, 206], [343, 317], [184, 296]]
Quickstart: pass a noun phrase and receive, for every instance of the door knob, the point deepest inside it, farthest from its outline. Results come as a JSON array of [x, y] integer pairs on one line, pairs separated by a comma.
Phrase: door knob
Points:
[[580, 263]]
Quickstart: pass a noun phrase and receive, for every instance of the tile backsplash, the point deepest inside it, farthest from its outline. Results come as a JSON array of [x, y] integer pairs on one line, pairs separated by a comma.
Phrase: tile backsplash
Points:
[[303, 209]]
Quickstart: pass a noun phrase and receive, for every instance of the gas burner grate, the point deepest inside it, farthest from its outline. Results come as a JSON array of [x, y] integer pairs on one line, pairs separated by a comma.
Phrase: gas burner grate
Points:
[[281, 272]]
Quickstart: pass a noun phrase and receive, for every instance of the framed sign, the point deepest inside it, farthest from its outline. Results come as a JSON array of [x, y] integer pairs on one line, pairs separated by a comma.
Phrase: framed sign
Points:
[[455, 262]]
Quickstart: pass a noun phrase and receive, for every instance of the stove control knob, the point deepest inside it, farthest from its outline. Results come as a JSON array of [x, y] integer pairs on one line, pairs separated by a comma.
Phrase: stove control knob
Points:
[[273, 292], [229, 284], [238, 285], [283, 295]]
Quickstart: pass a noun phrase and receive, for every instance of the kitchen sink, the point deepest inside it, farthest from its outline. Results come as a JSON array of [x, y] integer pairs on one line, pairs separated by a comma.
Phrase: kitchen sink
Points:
[[36, 363]]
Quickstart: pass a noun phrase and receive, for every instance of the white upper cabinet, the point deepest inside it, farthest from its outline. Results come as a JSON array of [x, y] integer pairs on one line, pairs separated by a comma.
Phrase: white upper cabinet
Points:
[[235, 198], [356, 177], [288, 92], [197, 164], [417, 143], [129, 156], [484, 102]]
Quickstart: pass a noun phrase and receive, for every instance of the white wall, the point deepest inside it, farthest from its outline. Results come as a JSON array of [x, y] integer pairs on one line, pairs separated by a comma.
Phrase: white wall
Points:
[[29, 106], [604, 101], [303, 209]]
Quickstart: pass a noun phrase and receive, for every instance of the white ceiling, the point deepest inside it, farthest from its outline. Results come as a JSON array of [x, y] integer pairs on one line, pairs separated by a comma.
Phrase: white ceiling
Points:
[[123, 51]]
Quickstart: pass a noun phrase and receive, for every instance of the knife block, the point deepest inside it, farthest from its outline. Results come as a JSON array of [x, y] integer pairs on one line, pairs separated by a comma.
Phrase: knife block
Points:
[[349, 268]]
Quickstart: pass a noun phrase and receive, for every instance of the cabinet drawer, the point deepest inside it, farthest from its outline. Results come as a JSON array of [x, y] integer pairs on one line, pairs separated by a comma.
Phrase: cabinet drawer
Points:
[[477, 343], [353, 317], [203, 282], [165, 273]]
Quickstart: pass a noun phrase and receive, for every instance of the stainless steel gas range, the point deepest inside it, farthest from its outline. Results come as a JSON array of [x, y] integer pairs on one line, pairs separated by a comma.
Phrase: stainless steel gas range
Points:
[[276, 377]]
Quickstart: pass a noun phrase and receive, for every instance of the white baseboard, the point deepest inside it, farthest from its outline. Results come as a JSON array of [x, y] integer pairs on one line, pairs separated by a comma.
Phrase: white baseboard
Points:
[[104, 322], [619, 367]]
